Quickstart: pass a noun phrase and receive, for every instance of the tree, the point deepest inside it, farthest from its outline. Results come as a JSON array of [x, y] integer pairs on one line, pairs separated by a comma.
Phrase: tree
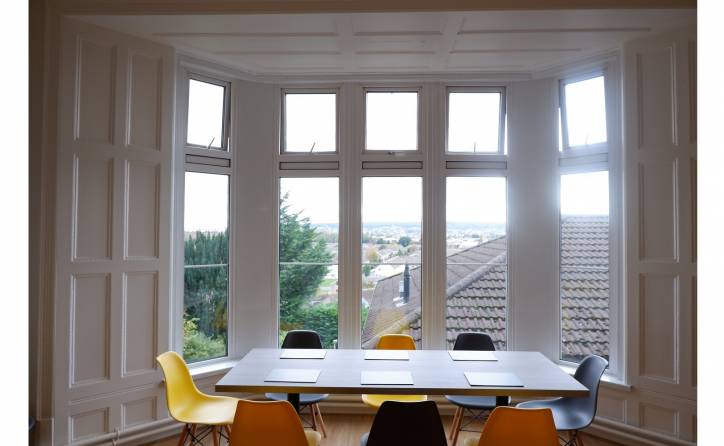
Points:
[[405, 241], [300, 242]]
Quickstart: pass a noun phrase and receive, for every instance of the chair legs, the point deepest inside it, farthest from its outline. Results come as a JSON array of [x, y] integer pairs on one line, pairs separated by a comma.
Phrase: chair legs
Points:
[[188, 433], [184, 434], [459, 415], [315, 408], [458, 410]]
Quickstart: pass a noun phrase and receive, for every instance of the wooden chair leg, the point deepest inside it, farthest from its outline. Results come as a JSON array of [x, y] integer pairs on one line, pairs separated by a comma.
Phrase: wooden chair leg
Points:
[[454, 424], [314, 417], [215, 435], [457, 426], [184, 433], [579, 438], [228, 433], [321, 420]]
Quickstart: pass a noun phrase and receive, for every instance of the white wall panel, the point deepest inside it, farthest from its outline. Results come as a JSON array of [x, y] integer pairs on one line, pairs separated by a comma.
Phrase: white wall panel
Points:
[[144, 112], [89, 424], [96, 78], [90, 328], [92, 207], [659, 419], [112, 265], [659, 314], [140, 302], [658, 236], [142, 198], [655, 71]]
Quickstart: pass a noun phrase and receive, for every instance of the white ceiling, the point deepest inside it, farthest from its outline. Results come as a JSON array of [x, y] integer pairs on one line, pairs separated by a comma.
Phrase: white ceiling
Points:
[[424, 42]]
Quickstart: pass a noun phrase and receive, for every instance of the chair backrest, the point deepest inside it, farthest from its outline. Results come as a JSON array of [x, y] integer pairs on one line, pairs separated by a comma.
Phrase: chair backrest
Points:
[[302, 339], [396, 342], [399, 423], [474, 341], [513, 426], [266, 423], [180, 388], [589, 374]]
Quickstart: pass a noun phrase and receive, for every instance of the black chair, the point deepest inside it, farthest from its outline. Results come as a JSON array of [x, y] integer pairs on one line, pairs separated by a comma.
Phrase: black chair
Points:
[[304, 339], [478, 407], [399, 424], [573, 414]]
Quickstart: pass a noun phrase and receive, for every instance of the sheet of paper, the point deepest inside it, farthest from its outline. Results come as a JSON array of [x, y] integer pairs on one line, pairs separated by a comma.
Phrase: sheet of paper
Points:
[[395, 355], [303, 353], [469, 355], [484, 379], [293, 376], [386, 377]]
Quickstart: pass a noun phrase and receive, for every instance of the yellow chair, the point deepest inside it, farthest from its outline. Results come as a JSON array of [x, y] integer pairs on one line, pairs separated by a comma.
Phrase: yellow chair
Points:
[[261, 423], [188, 405], [513, 426], [393, 342]]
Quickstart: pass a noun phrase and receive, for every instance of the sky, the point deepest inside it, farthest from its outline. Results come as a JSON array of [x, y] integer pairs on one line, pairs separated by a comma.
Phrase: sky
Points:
[[391, 120]]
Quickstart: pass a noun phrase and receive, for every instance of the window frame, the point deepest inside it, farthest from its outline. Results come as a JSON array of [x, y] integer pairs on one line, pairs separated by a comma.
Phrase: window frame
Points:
[[595, 158], [567, 149], [502, 113], [194, 158], [419, 137], [226, 122], [283, 116]]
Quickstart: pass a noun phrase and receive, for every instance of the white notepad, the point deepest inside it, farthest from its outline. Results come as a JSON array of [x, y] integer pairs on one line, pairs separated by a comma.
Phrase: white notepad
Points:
[[469, 355], [395, 355], [484, 379], [293, 376], [303, 353], [385, 377]]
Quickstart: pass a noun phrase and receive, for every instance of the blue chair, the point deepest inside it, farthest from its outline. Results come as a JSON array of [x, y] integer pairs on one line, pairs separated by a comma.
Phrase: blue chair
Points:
[[305, 339], [573, 414], [478, 407]]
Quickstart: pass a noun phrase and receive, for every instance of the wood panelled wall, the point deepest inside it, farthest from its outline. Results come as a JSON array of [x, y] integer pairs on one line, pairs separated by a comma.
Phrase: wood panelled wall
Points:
[[113, 232]]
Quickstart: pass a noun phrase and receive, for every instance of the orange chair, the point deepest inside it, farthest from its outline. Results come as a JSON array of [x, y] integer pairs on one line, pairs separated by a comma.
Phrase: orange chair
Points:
[[261, 423], [188, 405], [393, 342], [512, 426]]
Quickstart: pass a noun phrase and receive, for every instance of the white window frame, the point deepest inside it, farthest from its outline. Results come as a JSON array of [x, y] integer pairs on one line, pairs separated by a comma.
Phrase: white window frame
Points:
[[419, 142], [283, 116], [200, 76], [502, 113], [596, 158], [194, 158], [574, 151]]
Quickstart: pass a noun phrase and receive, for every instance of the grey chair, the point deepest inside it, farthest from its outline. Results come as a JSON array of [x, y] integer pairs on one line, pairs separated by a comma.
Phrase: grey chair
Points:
[[305, 339], [477, 407], [399, 423], [573, 414]]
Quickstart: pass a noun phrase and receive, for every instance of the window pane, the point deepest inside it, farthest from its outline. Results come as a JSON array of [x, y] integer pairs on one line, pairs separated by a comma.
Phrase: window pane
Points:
[[206, 265], [586, 112], [391, 257], [391, 121], [477, 264], [473, 122], [584, 265], [310, 122], [205, 115], [308, 256]]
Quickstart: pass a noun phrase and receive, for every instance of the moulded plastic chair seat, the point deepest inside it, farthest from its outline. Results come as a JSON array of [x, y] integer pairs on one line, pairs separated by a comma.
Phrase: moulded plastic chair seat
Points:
[[473, 402], [570, 413], [517, 427], [398, 423], [185, 402], [261, 423], [393, 342]]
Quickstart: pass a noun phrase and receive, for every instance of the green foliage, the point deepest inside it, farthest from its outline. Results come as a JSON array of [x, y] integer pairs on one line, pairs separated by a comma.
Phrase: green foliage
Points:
[[206, 294], [367, 269], [299, 241], [198, 346], [405, 241]]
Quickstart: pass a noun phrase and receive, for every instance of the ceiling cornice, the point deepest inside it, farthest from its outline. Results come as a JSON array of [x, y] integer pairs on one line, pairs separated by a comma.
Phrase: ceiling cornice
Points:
[[134, 7]]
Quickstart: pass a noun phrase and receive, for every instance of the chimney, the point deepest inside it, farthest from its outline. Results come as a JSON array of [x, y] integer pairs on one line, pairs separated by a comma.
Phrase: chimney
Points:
[[405, 294]]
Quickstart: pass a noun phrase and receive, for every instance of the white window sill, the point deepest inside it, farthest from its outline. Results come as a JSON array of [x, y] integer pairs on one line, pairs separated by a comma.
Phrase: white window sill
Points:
[[607, 380], [205, 370]]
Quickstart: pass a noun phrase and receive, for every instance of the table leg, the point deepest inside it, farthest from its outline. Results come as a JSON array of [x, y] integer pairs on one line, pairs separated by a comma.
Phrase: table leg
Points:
[[501, 401], [293, 398]]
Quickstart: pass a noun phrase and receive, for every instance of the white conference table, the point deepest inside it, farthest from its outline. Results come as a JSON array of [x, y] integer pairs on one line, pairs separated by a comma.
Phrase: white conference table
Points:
[[433, 373]]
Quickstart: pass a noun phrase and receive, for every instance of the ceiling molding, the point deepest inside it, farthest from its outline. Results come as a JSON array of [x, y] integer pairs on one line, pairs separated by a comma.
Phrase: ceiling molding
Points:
[[132, 7], [552, 30]]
